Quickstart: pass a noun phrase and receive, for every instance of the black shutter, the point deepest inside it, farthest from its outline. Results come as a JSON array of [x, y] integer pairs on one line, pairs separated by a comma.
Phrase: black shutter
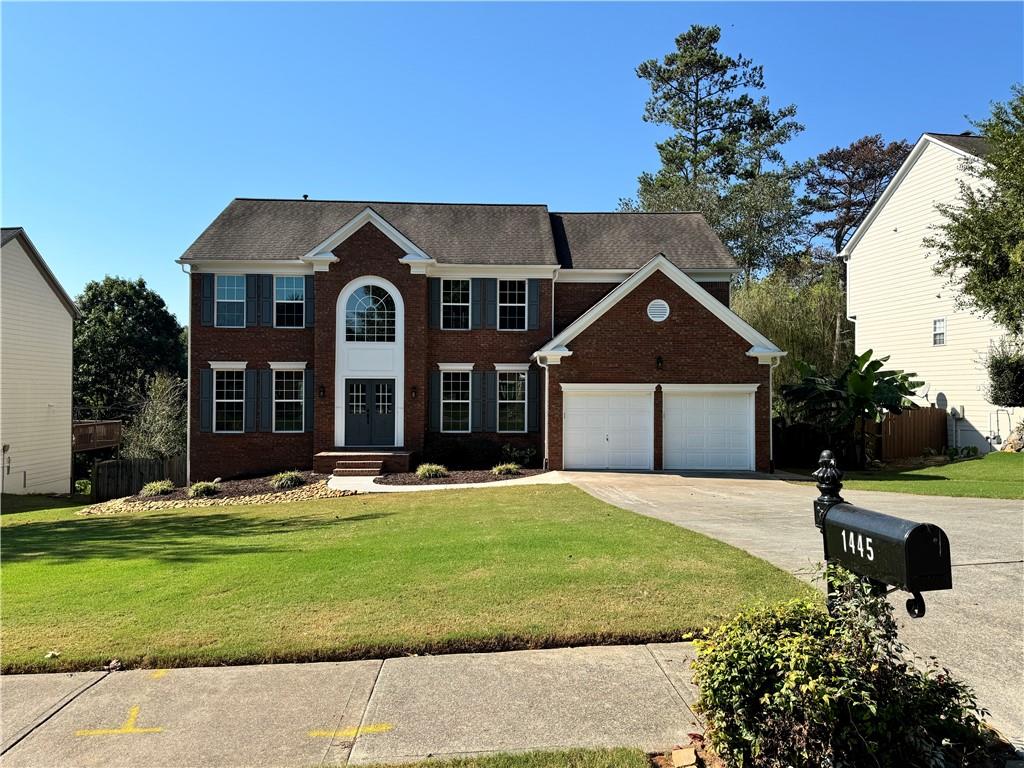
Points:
[[476, 303], [206, 399], [533, 401], [490, 303], [434, 284], [206, 283], [308, 415], [266, 295], [490, 401], [266, 390], [251, 299], [476, 397], [250, 400], [434, 414], [533, 304], [310, 302]]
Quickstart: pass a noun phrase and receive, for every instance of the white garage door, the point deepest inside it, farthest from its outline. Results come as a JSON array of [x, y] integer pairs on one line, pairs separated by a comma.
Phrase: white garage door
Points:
[[608, 430], [709, 430]]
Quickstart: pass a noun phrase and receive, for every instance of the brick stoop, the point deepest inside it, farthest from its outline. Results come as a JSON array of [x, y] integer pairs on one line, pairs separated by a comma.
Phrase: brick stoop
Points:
[[348, 462]]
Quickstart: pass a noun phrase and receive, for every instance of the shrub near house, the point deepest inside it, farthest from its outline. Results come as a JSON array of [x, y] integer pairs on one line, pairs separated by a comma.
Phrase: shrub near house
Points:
[[369, 336]]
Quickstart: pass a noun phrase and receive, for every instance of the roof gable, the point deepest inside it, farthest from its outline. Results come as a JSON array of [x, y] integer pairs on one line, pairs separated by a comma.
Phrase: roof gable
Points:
[[19, 234], [761, 346], [926, 140]]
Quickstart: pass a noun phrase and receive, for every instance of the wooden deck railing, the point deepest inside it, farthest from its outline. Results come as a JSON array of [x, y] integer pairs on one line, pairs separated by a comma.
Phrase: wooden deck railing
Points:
[[93, 435]]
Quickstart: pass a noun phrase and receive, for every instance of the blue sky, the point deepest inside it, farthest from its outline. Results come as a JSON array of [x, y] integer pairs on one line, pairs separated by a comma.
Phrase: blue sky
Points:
[[128, 127]]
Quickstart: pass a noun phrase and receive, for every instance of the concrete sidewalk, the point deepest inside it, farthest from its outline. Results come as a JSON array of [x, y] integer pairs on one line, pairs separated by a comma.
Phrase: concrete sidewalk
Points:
[[358, 712]]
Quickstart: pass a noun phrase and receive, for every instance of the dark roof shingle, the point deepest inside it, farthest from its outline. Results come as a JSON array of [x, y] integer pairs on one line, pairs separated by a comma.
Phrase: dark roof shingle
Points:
[[972, 145]]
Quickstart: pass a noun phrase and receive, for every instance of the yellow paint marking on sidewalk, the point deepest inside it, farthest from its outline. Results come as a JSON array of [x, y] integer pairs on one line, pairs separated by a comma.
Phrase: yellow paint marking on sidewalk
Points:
[[156, 674], [128, 726], [351, 733]]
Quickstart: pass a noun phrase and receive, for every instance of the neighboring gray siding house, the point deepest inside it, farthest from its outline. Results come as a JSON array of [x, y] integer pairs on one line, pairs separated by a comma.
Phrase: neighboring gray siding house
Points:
[[901, 308], [36, 317]]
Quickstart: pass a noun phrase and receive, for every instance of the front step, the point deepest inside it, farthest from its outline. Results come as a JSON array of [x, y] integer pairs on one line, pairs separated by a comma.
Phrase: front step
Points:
[[358, 468], [396, 460]]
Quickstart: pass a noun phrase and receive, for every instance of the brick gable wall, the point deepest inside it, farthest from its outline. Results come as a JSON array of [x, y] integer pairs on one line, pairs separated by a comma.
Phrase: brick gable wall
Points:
[[624, 344]]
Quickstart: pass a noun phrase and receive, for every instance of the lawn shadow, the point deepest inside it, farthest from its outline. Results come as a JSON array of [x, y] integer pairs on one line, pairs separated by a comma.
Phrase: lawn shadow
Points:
[[12, 504], [177, 536]]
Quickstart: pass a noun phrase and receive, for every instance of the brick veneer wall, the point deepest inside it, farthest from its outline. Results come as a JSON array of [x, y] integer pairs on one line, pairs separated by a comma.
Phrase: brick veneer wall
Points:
[[253, 453], [573, 299], [624, 344]]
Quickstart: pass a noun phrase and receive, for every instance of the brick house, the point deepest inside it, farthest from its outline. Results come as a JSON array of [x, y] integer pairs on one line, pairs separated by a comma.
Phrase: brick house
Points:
[[355, 335]]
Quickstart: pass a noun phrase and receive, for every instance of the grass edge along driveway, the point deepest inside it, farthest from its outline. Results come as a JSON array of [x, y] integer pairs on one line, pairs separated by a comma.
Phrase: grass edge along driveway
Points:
[[361, 577], [994, 476]]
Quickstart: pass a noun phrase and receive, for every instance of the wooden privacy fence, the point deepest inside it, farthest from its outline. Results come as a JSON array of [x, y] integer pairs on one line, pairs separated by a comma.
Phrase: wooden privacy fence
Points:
[[125, 477], [911, 433]]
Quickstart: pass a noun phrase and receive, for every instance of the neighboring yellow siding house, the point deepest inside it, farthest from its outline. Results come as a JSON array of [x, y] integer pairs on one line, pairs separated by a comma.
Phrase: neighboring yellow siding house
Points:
[[36, 316], [901, 308]]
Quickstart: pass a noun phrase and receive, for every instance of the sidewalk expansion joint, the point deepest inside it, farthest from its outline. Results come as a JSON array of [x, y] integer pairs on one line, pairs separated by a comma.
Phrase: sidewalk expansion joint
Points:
[[54, 710]]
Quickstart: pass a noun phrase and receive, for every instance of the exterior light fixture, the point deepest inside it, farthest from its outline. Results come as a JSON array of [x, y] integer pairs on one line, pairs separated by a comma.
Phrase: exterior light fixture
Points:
[[659, 363]]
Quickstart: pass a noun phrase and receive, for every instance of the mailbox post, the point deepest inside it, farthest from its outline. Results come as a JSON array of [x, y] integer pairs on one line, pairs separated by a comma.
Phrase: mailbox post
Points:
[[888, 551]]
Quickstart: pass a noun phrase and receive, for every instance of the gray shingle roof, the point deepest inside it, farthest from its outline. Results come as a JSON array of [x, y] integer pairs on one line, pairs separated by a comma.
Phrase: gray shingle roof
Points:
[[8, 233], [972, 145], [630, 240], [454, 233], [449, 233]]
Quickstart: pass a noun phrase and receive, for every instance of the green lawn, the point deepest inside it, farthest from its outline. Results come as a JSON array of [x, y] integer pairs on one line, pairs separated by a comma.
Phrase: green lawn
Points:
[[995, 476], [362, 576], [570, 758]]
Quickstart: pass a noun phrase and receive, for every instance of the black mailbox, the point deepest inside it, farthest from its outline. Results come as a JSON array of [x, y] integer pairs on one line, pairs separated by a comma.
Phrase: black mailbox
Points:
[[911, 556], [890, 551]]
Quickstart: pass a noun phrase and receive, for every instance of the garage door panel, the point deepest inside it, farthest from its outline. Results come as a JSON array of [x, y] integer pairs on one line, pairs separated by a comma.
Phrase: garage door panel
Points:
[[708, 431], [607, 430]]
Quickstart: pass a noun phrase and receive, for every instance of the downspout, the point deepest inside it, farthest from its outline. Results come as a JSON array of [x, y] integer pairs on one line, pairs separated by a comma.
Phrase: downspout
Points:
[[547, 394], [188, 385]]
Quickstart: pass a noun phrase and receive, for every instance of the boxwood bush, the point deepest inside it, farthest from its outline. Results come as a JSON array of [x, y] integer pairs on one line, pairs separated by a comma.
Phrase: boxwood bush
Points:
[[285, 480], [792, 686], [157, 488], [425, 471]]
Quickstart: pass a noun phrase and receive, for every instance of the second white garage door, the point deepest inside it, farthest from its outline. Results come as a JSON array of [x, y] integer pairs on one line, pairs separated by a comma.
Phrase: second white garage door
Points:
[[709, 430], [608, 430]]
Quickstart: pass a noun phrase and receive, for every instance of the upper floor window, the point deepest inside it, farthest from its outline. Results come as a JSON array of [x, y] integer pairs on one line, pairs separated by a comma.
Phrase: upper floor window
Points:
[[455, 305], [511, 305], [289, 302], [455, 399], [939, 332], [288, 400], [229, 309], [370, 315], [228, 400]]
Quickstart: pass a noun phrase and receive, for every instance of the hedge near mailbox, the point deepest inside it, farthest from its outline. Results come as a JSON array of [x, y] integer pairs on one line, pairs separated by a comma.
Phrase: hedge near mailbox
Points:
[[889, 551]]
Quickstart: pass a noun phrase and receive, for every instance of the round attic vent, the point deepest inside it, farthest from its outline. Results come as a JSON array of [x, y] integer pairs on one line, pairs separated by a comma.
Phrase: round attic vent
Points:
[[657, 310]]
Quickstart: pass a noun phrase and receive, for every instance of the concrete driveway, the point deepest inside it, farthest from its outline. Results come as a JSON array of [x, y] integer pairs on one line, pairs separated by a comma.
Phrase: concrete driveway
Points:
[[977, 629]]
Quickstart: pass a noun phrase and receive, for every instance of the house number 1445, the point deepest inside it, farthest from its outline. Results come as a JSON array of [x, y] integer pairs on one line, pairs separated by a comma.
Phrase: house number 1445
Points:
[[857, 544]]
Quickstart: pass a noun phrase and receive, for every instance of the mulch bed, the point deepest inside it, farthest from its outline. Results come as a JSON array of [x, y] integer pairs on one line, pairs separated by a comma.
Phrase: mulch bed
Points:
[[253, 486], [454, 476]]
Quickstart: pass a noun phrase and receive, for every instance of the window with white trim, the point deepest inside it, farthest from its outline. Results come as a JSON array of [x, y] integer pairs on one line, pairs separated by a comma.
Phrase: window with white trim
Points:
[[455, 401], [455, 305], [511, 401], [289, 401], [229, 307], [511, 305], [370, 315], [228, 401], [289, 301], [939, 332]]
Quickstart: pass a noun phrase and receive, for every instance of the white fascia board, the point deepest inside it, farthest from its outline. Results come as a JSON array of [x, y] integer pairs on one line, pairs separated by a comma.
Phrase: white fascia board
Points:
[[688, 284], [455, 366], [551, 356], [894, 184], [228, 365], [288, 366], [710, 389], [606, 388], [506, 271], [250, 267], [765, 356], [511, 367], [322, 253]]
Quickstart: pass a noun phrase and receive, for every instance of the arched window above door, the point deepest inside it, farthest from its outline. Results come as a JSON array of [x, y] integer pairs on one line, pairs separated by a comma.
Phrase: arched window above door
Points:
[[370, 315]]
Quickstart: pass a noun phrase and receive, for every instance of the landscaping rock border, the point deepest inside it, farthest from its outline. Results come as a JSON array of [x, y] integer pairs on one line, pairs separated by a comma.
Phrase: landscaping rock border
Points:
[[454, 476]]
